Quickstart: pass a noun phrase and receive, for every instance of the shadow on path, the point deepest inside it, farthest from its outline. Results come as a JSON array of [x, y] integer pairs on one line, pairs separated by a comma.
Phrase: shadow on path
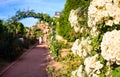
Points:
[[33, 63]]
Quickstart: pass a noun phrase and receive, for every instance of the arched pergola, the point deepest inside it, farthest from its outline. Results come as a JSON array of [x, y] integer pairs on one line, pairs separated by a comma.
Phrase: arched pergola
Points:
[[29, 13]]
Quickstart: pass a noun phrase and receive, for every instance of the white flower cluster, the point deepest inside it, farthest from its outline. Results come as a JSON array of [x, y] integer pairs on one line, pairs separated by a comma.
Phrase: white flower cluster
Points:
[[94, 31], [82, 48], [79, 73], [101, 11], [110, 46], [73, 18], [93, 66], [109, 70]]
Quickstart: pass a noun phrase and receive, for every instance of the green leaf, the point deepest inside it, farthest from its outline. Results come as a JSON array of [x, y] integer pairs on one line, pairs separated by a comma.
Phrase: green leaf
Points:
[[102, 75], [116, 72]]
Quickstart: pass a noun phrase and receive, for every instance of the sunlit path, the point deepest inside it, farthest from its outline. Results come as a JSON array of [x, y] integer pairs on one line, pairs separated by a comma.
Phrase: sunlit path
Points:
[[32, 64]]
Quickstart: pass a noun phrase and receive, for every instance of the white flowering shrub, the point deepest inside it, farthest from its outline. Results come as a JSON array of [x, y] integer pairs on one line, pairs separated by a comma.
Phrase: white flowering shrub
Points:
[[82, 48], [73, 18], [104, 11], [94, 32], [101, 48], [110, 46], [93, 66], [77, 20], [79, 73], [101, 11], [77, 23]]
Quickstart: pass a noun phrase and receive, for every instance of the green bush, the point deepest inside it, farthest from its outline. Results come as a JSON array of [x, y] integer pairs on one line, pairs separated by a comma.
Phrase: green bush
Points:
[[55, 47], [64, 28]]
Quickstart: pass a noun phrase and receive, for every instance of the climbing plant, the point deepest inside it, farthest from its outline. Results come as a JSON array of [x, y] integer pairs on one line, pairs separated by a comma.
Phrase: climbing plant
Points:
[[14, 36], [64, 28], [29, 13]]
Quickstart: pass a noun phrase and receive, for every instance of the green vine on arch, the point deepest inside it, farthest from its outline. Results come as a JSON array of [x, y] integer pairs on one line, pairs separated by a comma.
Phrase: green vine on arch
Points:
[[29, 13]]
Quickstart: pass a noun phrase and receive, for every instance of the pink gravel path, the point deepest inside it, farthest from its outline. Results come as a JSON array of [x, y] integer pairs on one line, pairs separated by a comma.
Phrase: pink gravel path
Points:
[[32, 64]]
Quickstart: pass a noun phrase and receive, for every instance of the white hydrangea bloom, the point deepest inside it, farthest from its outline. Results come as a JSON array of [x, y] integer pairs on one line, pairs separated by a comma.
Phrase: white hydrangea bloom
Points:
[[101, 11], [82, 48], [92, 65], [79, 73], [73, 20], [110, 46]]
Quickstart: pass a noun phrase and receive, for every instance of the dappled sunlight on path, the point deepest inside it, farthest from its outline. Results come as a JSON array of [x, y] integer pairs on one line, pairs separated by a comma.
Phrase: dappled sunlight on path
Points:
[[33, 63]]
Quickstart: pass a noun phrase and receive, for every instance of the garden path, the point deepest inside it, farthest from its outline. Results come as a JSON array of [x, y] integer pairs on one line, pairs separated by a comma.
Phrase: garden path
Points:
[[33, 63]]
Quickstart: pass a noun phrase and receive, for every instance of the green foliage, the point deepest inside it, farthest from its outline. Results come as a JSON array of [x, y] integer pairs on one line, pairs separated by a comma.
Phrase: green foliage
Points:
[[69, 63], [116, 72], [50, 69], [55, 47], [37, 32], [30, 13], [64, 27], [104, 28], [20, 28], [11, 46], [11, 31], [101, 59], [1, 26]]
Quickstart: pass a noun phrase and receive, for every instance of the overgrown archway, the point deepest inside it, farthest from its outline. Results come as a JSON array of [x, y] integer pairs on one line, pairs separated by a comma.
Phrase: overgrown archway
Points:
[[15, 37], [30, 13]]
